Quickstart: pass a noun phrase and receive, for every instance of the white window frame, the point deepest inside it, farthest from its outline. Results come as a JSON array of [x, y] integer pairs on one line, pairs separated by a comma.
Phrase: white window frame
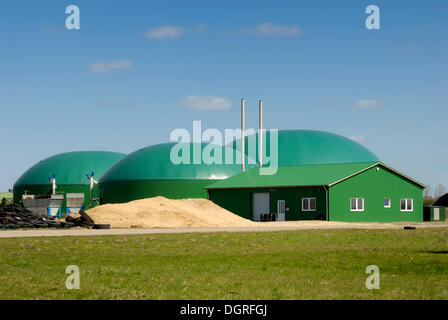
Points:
[[309, 204], [406, 205], [390, 203], [357, 209]]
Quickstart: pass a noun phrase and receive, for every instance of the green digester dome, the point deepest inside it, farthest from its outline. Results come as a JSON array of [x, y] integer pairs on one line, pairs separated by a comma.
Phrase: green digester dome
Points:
[[70, 168], [154, 163], [149, 172], [307, 147]]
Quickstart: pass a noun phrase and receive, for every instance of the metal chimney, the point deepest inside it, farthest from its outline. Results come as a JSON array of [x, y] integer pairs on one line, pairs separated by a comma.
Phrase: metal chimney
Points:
[[243, 138], [260, 133]]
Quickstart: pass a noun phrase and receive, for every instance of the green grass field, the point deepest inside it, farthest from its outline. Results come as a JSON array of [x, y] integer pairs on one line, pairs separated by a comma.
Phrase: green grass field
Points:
[[310, 264]]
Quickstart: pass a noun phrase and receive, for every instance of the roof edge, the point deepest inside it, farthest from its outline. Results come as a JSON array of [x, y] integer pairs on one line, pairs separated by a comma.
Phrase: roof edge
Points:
[[384, 166]]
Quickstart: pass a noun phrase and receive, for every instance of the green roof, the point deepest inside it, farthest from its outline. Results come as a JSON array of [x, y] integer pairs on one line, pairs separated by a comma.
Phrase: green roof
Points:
[[295, 176], [70, 168]]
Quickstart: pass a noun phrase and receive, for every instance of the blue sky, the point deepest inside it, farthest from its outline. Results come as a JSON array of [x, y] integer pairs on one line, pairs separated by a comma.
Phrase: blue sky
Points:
[[136, 70]]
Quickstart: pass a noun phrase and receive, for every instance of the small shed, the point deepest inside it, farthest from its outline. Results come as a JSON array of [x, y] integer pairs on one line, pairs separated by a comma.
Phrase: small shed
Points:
[[434, 213], [367, 191]]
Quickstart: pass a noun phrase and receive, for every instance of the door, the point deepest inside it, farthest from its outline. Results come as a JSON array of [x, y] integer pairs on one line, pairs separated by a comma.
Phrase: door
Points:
[[436, 214], [260, 204], [281, 210]]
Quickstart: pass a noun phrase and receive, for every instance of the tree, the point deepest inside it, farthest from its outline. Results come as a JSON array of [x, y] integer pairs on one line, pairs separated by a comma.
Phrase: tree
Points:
[[427, 192], [439, 191]]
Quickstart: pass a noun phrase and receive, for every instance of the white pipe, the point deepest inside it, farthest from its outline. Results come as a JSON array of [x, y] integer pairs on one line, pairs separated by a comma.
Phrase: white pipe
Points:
[[243, 138], [53, 185], [260, 133], [93, 182]]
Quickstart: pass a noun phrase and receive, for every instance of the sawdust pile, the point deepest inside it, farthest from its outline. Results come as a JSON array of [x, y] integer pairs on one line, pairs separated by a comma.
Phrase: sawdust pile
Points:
[[160, 212]]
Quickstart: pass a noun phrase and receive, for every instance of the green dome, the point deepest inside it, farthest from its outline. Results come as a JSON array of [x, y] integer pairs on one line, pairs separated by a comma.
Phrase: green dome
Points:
[[154, 163], [307, 147], [70, 168]]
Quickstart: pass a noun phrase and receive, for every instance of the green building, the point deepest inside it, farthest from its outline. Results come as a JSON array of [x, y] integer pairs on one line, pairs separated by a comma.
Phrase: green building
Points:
[[149, 172], [70, 170], [434, 213], [363, 191]]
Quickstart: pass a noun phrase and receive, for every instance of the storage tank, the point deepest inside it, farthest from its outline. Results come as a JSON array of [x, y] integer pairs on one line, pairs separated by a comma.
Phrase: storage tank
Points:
[[69, 170], [306, 147], [149, 172]]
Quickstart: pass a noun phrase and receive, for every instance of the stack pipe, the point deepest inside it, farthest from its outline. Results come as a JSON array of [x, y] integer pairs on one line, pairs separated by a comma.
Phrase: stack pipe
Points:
[[243, 139], [260, 133], [53, 183], [93, 182]]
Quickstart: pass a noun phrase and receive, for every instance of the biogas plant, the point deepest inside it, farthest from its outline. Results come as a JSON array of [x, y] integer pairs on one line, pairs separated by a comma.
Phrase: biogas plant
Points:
[[317, 175]]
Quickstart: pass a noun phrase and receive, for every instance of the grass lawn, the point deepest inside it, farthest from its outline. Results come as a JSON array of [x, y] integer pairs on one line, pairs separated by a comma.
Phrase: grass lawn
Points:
[[309, 264]]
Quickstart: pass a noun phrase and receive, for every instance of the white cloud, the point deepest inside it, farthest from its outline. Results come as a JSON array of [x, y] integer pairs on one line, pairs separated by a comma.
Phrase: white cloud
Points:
[[358, 138], [368, 104], [52, 29], [201, 28], [171, 32], [206, 103], [165, 32], [102, 67], [270, 29]]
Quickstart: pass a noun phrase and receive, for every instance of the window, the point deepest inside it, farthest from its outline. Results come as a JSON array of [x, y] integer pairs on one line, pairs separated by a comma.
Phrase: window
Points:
[[406, 204], [356, 204], [308, 204], [387, 203]]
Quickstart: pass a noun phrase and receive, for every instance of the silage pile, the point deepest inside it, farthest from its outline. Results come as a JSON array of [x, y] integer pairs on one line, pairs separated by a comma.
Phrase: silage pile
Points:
[[160, 212]]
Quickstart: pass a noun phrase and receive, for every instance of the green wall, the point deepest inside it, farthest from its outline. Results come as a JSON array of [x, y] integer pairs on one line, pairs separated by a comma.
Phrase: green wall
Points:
[[125, 191], [374, 186], [293, 198], [46, 189], [239, 201], [234, 200]]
